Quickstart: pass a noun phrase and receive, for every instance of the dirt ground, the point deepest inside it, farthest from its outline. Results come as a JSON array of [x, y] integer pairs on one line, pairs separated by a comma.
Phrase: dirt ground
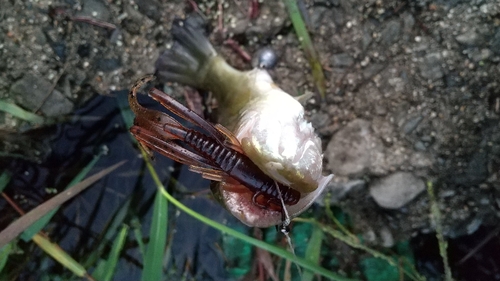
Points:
[[413, 92]]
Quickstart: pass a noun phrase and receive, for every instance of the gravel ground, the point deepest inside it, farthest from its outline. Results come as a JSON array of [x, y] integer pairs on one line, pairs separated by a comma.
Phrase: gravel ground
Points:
[[413, 89]]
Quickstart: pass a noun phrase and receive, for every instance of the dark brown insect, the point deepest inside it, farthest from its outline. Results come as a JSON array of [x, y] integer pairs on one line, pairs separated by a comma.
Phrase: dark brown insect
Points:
[[216, 155]]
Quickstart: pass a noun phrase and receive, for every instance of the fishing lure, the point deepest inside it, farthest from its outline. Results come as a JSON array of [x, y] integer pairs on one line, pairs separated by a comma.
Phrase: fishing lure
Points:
[[217, 155], [268, 123]]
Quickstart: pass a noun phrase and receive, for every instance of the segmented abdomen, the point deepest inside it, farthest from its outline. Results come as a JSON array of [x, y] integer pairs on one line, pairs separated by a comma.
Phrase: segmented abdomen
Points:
[[241, 168], [225, 158]]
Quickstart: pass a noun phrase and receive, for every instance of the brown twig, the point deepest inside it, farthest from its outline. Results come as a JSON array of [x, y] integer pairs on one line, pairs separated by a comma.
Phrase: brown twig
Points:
[[236, 47], [13, 204], [220, 21], [193, 5], [479, 246], [239, 7], [93, 21], [62, 12], [253, 10]]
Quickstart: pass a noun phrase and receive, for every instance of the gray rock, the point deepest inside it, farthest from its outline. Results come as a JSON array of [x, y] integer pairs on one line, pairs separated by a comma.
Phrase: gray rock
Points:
[[342, 60], [391, 33], [338, 16], [317, 15], [96, 9], [478, 55], [420, 145], [411, 124], [476, 171], [396, 190], [150, 8], [386, 237], [366, 40], [338, 190], [495, 42], [372, 70], [31, 91], [421, 160], [430, 68], [469, 38], [409, 22], [348, 152], [108, 64]]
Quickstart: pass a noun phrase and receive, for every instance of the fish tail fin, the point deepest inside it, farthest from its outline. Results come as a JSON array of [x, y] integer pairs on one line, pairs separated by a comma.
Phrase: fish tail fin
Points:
[[185, 62]]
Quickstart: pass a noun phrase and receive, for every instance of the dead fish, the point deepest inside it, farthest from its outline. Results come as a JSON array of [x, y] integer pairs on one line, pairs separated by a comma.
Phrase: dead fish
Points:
[[268, 122]]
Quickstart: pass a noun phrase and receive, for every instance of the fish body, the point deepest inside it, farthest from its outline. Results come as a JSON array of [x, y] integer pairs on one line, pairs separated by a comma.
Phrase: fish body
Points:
[[268, 122]]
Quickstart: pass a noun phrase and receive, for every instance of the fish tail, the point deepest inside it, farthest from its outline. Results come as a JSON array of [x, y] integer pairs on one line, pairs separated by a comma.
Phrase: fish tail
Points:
[[186, 61]]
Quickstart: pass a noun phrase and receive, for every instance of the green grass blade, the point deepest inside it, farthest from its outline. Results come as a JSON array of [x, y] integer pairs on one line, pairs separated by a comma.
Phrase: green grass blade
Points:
[[18, 226], [20, 113], [118, 219], [42, 222], [305, 40], [108, 234], [106, 269], [61, 256], [153, 259], [136, 225], [4, 254], [126, 112], [224, 229], [258, 243], [313, 251], [4, 180], [436, 220], [355, 243], [153, 262]]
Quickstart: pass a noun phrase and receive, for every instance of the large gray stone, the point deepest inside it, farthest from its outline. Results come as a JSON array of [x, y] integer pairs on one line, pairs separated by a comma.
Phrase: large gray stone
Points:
[[348, 152], [32, 90], [396, 190]]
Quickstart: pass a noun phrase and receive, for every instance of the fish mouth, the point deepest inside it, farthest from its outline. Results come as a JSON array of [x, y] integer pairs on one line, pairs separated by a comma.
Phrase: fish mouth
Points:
[[241, 204]]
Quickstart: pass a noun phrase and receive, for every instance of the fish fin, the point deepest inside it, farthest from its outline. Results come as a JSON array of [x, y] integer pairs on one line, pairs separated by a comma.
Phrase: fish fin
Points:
[[185, 61], [302, 99]]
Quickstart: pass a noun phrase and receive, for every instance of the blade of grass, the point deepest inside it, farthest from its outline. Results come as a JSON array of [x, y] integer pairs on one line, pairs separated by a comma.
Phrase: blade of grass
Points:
[[4, 180], [20, 113], [313, 251], [136, 225], [43, 221], [106, 269], [258, 243], [305, 40], [60, 255], [4, 254], [436, 220], [355, 243], [153, 261], [224, 229], [126, 112], [108, 233], [15, 228], [330, 214]]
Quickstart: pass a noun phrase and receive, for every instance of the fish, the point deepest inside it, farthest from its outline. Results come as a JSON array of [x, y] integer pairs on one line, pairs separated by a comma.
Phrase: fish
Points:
[[268, 122]]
